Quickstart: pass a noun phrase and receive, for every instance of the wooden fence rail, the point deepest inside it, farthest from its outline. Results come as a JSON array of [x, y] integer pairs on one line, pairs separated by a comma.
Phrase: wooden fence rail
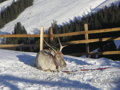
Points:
[[92, 40], [22, 35], [88, 32], [86, 41], [98, 53], [16, 45], [65, 34]]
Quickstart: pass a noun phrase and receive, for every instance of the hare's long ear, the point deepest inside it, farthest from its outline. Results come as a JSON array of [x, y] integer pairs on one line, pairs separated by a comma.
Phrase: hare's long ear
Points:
[[61, 46], [50, 46]]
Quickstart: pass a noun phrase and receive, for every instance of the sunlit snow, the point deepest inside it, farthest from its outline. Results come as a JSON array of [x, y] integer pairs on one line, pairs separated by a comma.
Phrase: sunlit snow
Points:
[[17, 72]]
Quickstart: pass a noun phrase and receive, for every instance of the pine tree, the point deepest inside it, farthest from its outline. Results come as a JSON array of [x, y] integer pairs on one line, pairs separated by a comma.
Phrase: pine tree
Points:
[[108, 17], [19, 29], [2, 1], [12, 12]]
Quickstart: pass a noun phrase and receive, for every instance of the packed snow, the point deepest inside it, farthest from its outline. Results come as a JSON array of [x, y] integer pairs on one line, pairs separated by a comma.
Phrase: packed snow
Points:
[[43, 12], [18, 72]]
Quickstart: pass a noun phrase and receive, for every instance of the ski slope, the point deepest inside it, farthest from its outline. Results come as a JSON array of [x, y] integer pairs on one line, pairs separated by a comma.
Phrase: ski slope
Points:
[[43, 12], [17, 72]]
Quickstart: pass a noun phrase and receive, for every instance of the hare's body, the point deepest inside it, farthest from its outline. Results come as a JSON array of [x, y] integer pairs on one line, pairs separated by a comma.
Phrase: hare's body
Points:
[[48, 60]]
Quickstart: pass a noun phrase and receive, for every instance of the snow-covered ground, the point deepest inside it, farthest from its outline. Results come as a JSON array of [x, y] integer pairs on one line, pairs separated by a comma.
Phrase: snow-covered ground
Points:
[[43, 12], [17, 72]]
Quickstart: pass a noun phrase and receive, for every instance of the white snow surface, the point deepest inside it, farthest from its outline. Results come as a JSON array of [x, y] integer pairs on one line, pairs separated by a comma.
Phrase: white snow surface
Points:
[[43, 12], [17, 72]]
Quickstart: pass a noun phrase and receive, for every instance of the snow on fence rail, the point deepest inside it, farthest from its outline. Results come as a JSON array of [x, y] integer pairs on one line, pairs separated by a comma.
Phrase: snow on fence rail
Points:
[[86, 41]]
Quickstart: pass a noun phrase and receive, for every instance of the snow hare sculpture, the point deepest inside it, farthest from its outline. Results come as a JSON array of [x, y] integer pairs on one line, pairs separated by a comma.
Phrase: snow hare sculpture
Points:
[[50, 60]]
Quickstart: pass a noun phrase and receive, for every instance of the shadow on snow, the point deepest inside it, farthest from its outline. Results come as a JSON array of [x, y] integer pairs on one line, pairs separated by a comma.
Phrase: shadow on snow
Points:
[[30, 60], [78, 62], [27, 59], [6, 81]]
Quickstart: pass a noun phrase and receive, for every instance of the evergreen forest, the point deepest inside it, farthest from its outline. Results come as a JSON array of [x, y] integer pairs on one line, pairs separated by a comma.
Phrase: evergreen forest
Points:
[[2, 1], [12, 12], [108, 17], [20, 29]]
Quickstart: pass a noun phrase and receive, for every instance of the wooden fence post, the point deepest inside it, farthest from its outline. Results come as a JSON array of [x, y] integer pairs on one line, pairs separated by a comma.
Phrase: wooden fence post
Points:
[[51, 34], [41, 37], [86, 37]]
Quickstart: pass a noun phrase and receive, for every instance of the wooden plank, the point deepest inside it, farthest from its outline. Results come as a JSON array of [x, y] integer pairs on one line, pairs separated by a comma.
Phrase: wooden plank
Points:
[[100, 53], [16, 45], [65, 34], [51, 34], [89, 32], [91, 40], [86, 37], [69, 34], [23, 35], [110, 52], [103, 30], [106, 52], [41, 38]]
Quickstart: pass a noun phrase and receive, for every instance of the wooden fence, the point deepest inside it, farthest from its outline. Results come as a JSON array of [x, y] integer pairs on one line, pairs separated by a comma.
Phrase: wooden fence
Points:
[[86, 32]]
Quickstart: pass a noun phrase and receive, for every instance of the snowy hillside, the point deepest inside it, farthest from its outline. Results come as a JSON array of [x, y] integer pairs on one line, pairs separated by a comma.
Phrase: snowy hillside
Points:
[[17, 72], [43, 12], [105, 3], [5, 4]]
